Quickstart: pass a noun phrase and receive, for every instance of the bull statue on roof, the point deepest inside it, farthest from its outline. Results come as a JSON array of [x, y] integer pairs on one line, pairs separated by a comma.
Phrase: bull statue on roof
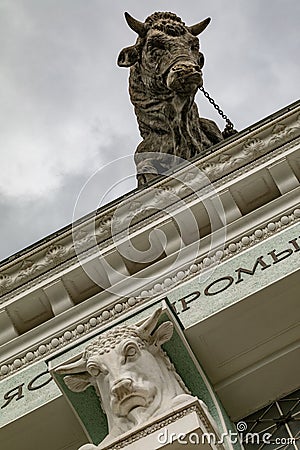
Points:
[[132, 375], [165, 73]]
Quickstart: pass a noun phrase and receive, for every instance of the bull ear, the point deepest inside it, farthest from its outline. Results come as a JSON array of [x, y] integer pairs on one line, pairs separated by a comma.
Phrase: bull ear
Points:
[[199, 27], [128, 56], [77, 383], [163, 333]]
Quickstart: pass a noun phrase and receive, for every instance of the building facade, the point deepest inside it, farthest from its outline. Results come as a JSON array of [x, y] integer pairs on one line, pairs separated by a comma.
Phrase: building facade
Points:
[[216, 244]]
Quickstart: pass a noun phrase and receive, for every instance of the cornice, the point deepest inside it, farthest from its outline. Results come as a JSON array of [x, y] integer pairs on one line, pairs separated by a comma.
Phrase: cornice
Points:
[[231, 249], [89, 325], [252, 148], [95, 233]]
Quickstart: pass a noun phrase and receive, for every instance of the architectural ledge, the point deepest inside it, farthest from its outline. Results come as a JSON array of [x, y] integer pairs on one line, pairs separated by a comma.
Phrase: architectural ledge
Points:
[[104, 228], [71, 283]]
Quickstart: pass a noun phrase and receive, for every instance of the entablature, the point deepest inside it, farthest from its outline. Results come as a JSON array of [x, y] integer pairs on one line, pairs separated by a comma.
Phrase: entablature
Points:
[[203, 214]]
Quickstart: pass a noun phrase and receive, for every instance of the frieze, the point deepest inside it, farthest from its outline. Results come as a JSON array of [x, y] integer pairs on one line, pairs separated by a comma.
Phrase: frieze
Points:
[[261, 160], [253, 148], [17, 392]]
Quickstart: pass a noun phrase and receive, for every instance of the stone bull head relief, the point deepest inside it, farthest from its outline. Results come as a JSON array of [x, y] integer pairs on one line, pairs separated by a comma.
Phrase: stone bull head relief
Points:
[[131, 373]]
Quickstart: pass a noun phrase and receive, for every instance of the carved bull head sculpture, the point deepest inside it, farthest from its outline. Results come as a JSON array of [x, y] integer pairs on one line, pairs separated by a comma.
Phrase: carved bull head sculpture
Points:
[[165, 73], [132, 375]]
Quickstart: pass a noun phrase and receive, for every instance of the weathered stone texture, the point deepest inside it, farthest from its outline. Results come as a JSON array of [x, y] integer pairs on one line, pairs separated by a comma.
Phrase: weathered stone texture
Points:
[[165, 74]]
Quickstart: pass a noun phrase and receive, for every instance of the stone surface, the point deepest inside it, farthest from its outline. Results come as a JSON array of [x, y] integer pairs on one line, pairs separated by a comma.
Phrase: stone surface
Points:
[[188, 424], [26, 391], [132, 375], [165, 73]]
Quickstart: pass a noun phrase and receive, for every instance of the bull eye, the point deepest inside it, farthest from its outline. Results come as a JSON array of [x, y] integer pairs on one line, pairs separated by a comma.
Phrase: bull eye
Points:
[[130, 351]]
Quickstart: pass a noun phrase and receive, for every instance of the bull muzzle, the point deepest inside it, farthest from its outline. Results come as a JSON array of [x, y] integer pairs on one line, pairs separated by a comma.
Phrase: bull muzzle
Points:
[[122, 388], [126, 396], [184, 77]]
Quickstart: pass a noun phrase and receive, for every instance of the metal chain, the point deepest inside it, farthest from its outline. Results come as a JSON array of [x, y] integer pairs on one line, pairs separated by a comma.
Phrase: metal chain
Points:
[[229, 128]]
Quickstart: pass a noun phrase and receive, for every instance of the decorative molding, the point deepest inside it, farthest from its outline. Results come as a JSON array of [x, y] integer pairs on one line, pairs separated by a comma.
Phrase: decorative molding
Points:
[[225, 159], [259, 161], [251, 149], [163, 424], [65, 337], [90, 324], [59, 253], [231, 249]]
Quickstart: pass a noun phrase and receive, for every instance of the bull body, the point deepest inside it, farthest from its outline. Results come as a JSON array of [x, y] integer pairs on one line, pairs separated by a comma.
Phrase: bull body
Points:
[[165, 73], [132, 375]]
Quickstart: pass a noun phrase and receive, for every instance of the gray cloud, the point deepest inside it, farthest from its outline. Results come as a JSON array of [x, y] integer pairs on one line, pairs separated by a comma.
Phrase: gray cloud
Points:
[[65, 111]]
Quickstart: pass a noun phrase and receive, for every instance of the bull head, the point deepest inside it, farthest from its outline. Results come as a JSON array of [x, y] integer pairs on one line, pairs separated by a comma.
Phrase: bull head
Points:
[[132, 375], [130, 55], [79, 379]]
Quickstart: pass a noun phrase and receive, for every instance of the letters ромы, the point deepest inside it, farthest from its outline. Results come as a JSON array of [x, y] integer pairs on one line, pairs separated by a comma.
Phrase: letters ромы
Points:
[[221, 284]]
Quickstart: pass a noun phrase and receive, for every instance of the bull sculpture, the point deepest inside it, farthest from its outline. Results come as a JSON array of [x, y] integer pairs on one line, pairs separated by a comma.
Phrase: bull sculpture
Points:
[[165, 73], [132, 375]]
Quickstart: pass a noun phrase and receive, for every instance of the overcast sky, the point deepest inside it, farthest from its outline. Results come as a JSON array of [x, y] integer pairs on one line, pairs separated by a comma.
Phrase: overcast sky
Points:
[[66, 122]]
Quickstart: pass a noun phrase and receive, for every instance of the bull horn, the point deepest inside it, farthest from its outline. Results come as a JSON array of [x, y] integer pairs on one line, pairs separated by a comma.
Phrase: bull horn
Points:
[[148, 326], [199, 27], [78, 366], [135, 25]]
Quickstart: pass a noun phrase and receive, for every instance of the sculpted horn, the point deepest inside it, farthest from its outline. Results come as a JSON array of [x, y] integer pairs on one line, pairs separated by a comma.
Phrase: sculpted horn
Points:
[[148, 326], [199, 27], [78, 366], [135, 25]]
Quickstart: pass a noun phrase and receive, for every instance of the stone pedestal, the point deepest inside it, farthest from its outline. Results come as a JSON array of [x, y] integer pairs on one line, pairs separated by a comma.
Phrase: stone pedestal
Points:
[[183, 427]]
